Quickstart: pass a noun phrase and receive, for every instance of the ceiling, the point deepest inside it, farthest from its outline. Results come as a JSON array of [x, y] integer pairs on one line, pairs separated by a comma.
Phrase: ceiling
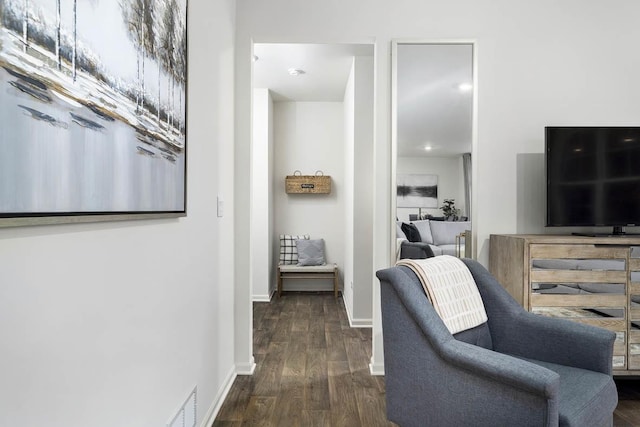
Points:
[[431, 108], [326, 69]]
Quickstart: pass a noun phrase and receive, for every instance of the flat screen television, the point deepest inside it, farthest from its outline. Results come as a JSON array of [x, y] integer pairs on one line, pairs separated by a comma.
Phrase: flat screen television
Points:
[[593, 177]]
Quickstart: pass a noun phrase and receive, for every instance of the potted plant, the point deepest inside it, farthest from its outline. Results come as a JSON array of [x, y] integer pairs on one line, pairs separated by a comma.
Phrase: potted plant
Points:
[[449, 210]]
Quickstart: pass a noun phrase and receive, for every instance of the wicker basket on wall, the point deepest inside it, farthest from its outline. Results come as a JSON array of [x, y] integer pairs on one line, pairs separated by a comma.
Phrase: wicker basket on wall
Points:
[[307, 184]]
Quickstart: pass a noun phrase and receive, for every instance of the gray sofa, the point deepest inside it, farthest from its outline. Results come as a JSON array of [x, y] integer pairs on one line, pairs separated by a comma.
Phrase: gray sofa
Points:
[[517, 369], [439, 235]]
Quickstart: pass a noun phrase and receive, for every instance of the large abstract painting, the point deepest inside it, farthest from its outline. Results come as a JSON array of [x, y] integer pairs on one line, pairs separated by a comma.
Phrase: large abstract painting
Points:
[[417, 191], [92, 107]]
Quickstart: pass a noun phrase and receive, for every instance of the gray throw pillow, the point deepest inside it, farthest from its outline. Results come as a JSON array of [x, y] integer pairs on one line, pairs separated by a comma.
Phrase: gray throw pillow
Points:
[[310, 252], [424, 228]]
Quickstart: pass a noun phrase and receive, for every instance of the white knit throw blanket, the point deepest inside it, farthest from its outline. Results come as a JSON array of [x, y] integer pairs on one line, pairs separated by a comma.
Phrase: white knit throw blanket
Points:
[[451, 289]]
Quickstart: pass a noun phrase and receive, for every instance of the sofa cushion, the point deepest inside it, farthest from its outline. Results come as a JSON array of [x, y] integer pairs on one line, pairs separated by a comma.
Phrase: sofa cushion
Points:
[[437, 250], [424, 228], [445, 232], [412, 233], [449, 250], [399, 233]]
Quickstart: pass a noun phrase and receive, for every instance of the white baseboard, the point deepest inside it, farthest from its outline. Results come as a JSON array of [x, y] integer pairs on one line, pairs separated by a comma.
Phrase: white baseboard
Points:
[[376, 369], [358, 323], [212, 413], [241, 369], [246, 368], [261, 298]]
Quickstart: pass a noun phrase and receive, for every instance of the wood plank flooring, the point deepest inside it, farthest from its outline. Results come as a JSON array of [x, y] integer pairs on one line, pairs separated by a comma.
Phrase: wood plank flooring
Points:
[[313, 370]]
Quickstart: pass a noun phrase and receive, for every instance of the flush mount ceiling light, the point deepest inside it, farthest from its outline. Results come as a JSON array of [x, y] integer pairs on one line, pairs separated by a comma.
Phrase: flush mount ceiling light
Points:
[[465, 87], [296, 71], [427, 148]]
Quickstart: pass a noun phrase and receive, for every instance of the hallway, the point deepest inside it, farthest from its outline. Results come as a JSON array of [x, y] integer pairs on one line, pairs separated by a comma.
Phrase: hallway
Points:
[[312, 368]]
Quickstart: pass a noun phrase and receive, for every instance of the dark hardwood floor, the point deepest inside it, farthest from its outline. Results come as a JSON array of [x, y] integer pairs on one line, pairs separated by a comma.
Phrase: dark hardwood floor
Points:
[[313, 370]]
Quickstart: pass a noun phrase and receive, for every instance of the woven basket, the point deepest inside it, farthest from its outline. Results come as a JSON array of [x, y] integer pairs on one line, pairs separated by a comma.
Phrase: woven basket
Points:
[[310, 184]]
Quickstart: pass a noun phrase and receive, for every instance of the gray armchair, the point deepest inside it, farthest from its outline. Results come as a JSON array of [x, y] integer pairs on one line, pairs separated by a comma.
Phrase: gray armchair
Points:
[[517, 369]]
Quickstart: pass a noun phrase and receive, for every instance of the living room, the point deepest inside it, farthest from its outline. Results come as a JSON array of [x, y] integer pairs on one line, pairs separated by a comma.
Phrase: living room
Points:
[[97, 330]]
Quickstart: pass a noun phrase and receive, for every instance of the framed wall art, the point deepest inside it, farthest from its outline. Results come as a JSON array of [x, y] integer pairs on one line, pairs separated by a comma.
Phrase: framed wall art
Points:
[[93, 110], [417, 191]]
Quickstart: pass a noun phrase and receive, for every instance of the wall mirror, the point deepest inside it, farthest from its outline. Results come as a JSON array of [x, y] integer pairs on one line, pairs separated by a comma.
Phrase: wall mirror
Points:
[[433, 145]]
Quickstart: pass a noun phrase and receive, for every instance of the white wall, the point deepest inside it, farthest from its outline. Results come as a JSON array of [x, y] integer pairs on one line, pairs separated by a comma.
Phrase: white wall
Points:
[[358, 116], [450, 181], [363, 193], [113, 324], [262, 266], [349, 176], [539, 63], [308, 136]]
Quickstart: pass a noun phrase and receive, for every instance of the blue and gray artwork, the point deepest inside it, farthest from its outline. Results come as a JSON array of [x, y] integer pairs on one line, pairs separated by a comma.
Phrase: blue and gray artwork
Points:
[[92, 106]]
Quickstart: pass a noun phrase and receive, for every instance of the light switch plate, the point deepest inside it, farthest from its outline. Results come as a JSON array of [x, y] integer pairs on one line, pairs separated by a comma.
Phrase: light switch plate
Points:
[[220, 207]]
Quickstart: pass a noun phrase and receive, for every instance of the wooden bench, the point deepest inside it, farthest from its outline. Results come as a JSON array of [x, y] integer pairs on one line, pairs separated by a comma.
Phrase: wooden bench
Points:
[[329, 271]]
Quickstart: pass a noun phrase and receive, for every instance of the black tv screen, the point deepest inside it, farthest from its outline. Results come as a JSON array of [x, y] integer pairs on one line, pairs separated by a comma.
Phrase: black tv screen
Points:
[[593, 176]]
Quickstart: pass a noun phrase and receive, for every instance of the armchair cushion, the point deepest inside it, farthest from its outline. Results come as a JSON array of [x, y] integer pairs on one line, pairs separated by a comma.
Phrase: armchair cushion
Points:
[[585, 396]]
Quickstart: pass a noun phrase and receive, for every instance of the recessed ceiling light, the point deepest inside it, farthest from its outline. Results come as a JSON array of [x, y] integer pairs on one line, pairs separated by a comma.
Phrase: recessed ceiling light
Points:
[[465, 87], [295, 71], [428, 148]]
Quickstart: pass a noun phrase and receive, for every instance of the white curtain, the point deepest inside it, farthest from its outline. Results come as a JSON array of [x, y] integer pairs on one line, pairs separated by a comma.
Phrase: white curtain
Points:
[[466, 168]]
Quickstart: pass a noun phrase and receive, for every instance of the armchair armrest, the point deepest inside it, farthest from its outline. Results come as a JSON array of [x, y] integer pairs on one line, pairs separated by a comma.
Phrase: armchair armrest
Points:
[[502, 369], [516, 331], [555, 340]]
